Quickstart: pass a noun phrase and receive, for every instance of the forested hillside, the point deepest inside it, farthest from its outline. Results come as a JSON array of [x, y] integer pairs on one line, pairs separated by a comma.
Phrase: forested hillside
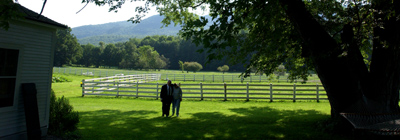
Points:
[[118, 44], [121, 31]]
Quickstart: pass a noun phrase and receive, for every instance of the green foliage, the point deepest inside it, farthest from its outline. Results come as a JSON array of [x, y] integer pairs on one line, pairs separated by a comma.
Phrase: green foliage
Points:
[[223, 68], [9, 11], [181, 66], [271, 77], [67, 50], [280, 70], [59, 79], [150, 59], [63, 120], [127, 55], [192, 66]]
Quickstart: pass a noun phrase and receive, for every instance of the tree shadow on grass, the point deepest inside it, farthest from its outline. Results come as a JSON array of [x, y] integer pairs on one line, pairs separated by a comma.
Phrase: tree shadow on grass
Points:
[[245, 123]]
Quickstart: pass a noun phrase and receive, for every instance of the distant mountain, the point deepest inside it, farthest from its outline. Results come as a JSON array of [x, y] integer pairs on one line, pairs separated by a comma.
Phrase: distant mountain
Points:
[[122, 31]]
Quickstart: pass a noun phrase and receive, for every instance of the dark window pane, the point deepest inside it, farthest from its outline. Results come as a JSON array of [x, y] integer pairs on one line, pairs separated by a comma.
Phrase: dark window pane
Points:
[[7, 86], [8, 62]]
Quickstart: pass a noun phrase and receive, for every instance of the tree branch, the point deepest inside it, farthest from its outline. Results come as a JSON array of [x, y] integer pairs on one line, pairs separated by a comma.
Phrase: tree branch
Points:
[[44, 3], [82, 8]]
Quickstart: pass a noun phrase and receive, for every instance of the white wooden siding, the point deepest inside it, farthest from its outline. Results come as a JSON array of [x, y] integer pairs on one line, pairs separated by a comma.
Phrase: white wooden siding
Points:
[[35, 67]]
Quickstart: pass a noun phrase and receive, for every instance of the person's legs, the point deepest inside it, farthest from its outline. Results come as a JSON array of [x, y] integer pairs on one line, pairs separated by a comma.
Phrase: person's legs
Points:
[[178, 104], [173, 107], [168, 107], [164, 108]]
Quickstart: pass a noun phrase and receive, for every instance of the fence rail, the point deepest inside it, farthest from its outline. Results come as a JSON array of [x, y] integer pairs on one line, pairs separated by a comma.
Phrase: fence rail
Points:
[[120, 87], [230, 78]]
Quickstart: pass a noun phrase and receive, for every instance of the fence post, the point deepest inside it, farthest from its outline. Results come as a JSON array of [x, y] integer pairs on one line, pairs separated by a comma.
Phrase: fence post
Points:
[[184, 77], [106, 73], [157, 92], [137, 88], [294, 92], [213, 77], [317, 93], [69, 71], [81, 72], [232, 78], [117, 89], [75, 71], [65, 70], [260, 78], [270, 93], [247, 93], [251, 79], [83, 87], [100, 73], [201, 90], [194, 77], [223, 79], [93, 87], [58, 70], [167, 77], [225, 91]]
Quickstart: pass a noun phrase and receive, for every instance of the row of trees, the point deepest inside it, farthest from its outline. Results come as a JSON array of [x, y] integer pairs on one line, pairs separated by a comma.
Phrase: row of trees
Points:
[[122, 55], [151, 52]]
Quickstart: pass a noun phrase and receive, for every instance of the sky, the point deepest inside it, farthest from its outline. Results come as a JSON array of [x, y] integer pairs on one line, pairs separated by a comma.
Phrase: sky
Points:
[[65, 12]]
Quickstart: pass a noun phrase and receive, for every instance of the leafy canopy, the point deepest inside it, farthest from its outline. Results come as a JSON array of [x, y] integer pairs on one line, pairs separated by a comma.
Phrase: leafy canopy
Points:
[[258, 30]]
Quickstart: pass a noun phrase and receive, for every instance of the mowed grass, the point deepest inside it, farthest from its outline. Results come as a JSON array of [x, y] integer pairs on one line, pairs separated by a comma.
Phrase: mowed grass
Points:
[[140, 118]]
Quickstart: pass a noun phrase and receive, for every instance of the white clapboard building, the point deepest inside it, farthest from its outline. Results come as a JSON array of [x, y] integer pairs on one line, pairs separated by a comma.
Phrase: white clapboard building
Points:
[[26, 56]]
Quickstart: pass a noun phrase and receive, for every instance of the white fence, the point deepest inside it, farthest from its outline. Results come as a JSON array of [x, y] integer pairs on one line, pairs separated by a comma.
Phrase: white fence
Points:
[[112, 83], [200, 91]]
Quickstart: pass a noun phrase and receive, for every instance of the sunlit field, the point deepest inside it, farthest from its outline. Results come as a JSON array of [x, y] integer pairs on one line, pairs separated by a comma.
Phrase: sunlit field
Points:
[[140, 118]]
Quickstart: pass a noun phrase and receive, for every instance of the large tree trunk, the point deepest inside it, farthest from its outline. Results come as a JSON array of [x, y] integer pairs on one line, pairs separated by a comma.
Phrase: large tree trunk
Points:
[[385, 65], [343, 73]]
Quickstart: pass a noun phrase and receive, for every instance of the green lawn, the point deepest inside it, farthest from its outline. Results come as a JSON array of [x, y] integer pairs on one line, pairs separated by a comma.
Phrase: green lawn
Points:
[[131, 118]]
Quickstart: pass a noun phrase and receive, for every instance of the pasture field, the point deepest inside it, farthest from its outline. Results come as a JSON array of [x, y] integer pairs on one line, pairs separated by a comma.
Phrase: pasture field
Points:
[[176, 75], [140, 118]]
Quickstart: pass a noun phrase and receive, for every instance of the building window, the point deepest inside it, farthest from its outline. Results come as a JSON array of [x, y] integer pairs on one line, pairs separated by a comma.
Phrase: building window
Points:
[[8, 76]]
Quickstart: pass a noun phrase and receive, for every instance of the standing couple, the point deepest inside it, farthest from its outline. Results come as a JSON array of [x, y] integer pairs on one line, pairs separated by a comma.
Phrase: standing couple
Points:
[[170, 93]]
